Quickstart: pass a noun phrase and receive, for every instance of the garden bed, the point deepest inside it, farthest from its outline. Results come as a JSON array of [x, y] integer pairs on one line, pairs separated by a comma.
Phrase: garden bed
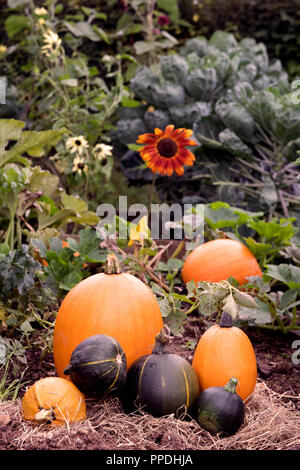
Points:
[[271, 422]]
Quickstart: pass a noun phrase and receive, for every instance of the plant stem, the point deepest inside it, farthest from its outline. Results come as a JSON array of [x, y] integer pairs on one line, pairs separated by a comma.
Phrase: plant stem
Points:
[[178, 249]]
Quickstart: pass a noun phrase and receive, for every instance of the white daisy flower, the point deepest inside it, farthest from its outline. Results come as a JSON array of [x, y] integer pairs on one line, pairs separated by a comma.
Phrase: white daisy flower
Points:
[[52, 43], [77, 144], [40, 11], [102, 151], [79, 165]]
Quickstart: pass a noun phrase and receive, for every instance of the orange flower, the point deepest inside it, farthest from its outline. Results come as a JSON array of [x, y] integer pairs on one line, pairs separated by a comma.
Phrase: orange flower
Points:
[[165, 152]]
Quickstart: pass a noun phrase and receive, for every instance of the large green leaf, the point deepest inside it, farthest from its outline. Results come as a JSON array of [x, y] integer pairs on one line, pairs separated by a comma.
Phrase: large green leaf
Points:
[[88, 246], [10, 129], [173, 68], [171, 7], [33, 143], [286, 273], [262, 108], [257, 315], [74, 204], [220, 215], [233, 144], [237, 119], [201, 82], [14, 24], [286, 124], [223, 40], [259, 249], [280, 232], [83, 29]]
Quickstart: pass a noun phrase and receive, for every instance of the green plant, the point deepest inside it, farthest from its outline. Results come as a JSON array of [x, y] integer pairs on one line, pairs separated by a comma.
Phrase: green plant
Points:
[[71, 89], [143, 20], [25, 296], [266, 239], [9, 390], [240, 106], [274, 23], [31, 198]]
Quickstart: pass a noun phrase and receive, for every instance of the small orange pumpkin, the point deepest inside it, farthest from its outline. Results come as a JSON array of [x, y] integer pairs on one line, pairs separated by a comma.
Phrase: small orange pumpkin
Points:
[[111, 303], [217, 260], [53, 400], [225, 351]]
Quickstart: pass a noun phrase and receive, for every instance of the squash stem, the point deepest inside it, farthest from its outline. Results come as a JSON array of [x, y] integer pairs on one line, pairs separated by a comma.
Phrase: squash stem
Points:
[[161, 340], [226, 320], [231, 385], [112, 265]]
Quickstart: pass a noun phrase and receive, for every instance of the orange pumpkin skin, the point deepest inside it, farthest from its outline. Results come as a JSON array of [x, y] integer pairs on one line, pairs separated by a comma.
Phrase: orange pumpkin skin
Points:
[[53, 400], [223, 353], [217, 260], [117, 305]]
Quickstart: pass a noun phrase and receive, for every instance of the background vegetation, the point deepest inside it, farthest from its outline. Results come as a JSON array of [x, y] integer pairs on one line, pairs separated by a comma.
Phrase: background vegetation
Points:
[[68, 143]]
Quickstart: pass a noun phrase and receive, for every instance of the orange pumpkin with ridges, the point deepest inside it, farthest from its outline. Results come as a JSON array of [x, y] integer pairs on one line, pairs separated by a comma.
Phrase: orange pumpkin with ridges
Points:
[[54, 401], [225, 351], [110, 303], [217, 260]]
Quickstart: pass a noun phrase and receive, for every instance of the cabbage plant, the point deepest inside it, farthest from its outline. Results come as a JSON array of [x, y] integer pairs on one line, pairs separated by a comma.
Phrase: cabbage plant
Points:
[[245, 118]]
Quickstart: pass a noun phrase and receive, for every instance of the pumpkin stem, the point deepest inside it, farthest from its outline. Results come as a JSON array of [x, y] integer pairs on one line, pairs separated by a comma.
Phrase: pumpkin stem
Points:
[[231, 385], [161, 340], [67, 370], [226, 320], [44, 415], [112, 265]]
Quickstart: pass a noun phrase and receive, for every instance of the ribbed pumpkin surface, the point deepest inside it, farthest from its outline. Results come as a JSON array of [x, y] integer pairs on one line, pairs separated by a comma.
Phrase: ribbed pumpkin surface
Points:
[[98, 366], [217, 260], [56, 395], [223, 353], [161, 384], [117, 305]]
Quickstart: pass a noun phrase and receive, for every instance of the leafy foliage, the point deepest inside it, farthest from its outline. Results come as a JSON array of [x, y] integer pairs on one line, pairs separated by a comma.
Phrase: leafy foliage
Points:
[[31, 198], [24, 293], [274, 23], [242, 109]]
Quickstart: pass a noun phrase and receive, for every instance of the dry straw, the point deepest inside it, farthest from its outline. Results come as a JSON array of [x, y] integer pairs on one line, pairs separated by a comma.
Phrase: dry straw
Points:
[[272, 422]]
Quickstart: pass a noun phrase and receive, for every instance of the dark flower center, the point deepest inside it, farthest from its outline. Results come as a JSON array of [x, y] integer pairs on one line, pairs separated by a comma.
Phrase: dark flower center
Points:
[[80, 166], [167, 147], [78, 143]]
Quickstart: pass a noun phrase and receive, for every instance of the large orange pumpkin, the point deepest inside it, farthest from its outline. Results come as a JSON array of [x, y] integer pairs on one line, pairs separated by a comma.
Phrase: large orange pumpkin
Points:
[[217, 260], [225, 351], [110, 303], [53, 400]]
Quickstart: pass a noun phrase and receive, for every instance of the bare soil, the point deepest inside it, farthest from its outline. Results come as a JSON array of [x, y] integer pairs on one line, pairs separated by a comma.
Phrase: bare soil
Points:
[[272, 419]]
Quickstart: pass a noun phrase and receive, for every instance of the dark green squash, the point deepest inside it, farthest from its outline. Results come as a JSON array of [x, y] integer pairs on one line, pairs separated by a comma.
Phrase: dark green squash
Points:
[[98, 366], [220, 409], [161, 383]]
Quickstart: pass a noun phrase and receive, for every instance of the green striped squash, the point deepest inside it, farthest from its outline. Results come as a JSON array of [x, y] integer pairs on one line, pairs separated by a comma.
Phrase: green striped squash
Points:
[[98, 366], [161, 383]]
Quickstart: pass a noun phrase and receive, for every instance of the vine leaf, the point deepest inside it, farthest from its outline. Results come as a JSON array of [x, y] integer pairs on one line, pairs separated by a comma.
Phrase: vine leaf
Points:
[[230, 306]]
